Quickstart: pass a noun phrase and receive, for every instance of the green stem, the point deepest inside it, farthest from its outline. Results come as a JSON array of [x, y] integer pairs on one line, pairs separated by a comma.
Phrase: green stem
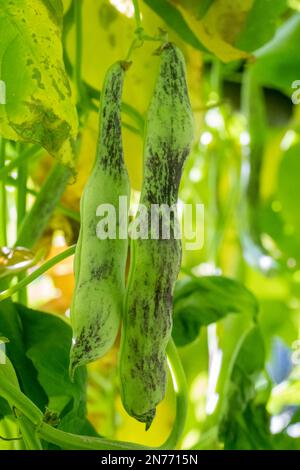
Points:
[[49, 196], [71, 441], [21, 212], [65, 440], [254, 108], [29, 433], [180, 387], [131, 128], [137, 14], [78, 56], [37, 273], [71, 213], [17, 399], [140, 35], [216, 78], [22, 193], [214, 171], [68, 441], [68, 22], [28, 154], [10, 439], [67, 211], [3, 202]]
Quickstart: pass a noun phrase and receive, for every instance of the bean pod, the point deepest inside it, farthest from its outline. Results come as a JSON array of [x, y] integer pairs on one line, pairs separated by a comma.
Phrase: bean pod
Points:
[[156, 260], [100, 263]]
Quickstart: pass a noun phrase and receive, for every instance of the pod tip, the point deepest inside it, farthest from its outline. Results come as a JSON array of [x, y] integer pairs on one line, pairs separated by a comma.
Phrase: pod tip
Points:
[[149, 418], [125, 64], [146, 418]]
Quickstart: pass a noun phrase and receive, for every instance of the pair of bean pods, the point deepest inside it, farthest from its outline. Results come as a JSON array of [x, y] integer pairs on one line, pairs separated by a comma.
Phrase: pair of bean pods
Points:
[[102, 298]]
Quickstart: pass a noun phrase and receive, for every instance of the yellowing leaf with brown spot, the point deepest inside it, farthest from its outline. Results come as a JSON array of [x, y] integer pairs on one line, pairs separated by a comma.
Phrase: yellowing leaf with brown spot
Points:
[[220, 27], [38, 103]]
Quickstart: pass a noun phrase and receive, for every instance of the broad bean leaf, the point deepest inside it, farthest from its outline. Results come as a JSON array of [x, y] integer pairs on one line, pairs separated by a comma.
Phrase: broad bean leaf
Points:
[[39, 106], [207, 30], [288, 185], [199, 8], [12, 328], [200, 302], [241, 425], [175, 20], [215, 29], [260, 24], [245, 421], [47, 343], [277, 62], [8, 373], [39, 345]]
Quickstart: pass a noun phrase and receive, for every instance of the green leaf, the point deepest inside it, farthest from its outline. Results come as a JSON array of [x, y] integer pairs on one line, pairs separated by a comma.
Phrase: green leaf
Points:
[[56, 10], [12, 328], [47, 343], [261, 24], [204, 7], [39, 350], [200, 302], [278, 62], [77, 425], [39, 107], [209, 29], [7, 371], [243, 423], [288, 185]]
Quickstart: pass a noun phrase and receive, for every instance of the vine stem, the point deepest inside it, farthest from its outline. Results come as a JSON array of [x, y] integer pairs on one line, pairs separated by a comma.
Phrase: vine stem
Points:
[[21, 212], [44, 205], [181, 392], [140, 35], [29, 435], [68, 441], [3, 205], [64, 210], [37, 273], [78, 56], [28, 154], [22, 193], [137, 14]]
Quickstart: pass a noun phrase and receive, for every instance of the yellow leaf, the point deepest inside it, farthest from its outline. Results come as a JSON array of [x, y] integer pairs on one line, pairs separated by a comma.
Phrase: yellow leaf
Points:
[[38, 106], [220, 27]]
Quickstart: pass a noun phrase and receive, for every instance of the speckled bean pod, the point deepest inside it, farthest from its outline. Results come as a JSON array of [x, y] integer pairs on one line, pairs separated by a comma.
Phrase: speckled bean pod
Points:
[[155, 263], [100, 263]]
